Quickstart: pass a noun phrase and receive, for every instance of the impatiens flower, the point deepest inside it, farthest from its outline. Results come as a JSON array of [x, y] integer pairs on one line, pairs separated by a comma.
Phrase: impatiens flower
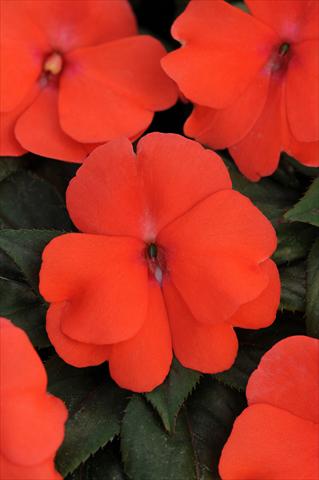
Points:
[[32, 421], [277, 436], [74, 74], [170, 258], [254, 79]]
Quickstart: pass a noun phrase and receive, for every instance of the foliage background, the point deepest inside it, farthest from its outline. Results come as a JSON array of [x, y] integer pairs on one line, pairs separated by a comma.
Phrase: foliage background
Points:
[[177, 431]]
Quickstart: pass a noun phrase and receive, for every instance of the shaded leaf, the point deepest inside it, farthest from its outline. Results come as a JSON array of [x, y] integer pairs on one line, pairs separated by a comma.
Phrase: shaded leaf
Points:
[[211, 412], [307, 209], [28, 201], [25, 248], [69, 383], [312, 292], [26, 309], [246, 362], [91, 425], [168, 398], [148, 452], [8, 165], [293, 287], [294, 242], [104, 465], [272, 199]]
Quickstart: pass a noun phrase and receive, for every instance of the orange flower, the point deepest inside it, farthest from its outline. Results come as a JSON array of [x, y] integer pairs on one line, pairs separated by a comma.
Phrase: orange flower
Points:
[[32, 421], [254, 79], [170, 257], [277, 436], [74, 74]]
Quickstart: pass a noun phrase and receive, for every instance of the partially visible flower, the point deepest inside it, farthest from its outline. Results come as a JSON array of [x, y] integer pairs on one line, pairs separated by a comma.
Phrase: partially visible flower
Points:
[[277, 436], [32, 421], [254, 79], [74, 74], [171, 258]]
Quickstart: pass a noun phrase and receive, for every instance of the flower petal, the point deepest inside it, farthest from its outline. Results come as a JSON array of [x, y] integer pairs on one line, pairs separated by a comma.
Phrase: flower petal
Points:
[[21, 53], [303, 92], [46, 137], [202, 347], [261, 312], [267, 442], [287, 378], [213, 253], [21, 367], [104, 281], [89, 23], [32, 427], [75, 353], [117, 193], [225, 222], [294, 20], [257, 154], [222, 128], [11, 471], [110, 79], [177, 173], [209, 68], [306, 153], [8, 142], [9, 145], [142, 363], [106, 195]]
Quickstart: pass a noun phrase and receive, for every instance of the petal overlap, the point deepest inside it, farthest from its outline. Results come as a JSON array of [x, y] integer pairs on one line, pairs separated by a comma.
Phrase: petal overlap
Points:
[[104, 281]]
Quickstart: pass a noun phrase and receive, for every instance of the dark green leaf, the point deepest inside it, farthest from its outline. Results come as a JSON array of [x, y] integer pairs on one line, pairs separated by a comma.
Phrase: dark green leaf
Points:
[[148, 452], [25, 248], [246, 362], [307, 209], [272, 199], [168, 398], [104, 465], [293, 287], [20, 251], [308, 171], [312, 293], [211, 413], [71, 384], [294, 242], [27, 201], [8, 165], [26, 310], [91, 425]]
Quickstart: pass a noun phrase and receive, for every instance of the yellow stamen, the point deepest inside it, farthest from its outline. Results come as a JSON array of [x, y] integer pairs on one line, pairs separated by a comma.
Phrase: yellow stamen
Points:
[[53, 63]]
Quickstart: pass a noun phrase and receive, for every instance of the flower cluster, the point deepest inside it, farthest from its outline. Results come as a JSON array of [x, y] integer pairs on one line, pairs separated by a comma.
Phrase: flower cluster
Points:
[[165, 259], [32, 421]]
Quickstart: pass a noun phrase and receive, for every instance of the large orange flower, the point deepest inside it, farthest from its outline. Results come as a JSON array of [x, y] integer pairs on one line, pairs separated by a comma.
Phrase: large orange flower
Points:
[[32, 421], [170, 258], [75, 73], [254, 79], [277, 436]]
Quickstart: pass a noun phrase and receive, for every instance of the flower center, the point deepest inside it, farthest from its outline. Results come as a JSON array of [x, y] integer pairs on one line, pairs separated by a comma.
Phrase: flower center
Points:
[[284, 49], [156, 261], [279, 60], [152, 251], [53, 64]]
